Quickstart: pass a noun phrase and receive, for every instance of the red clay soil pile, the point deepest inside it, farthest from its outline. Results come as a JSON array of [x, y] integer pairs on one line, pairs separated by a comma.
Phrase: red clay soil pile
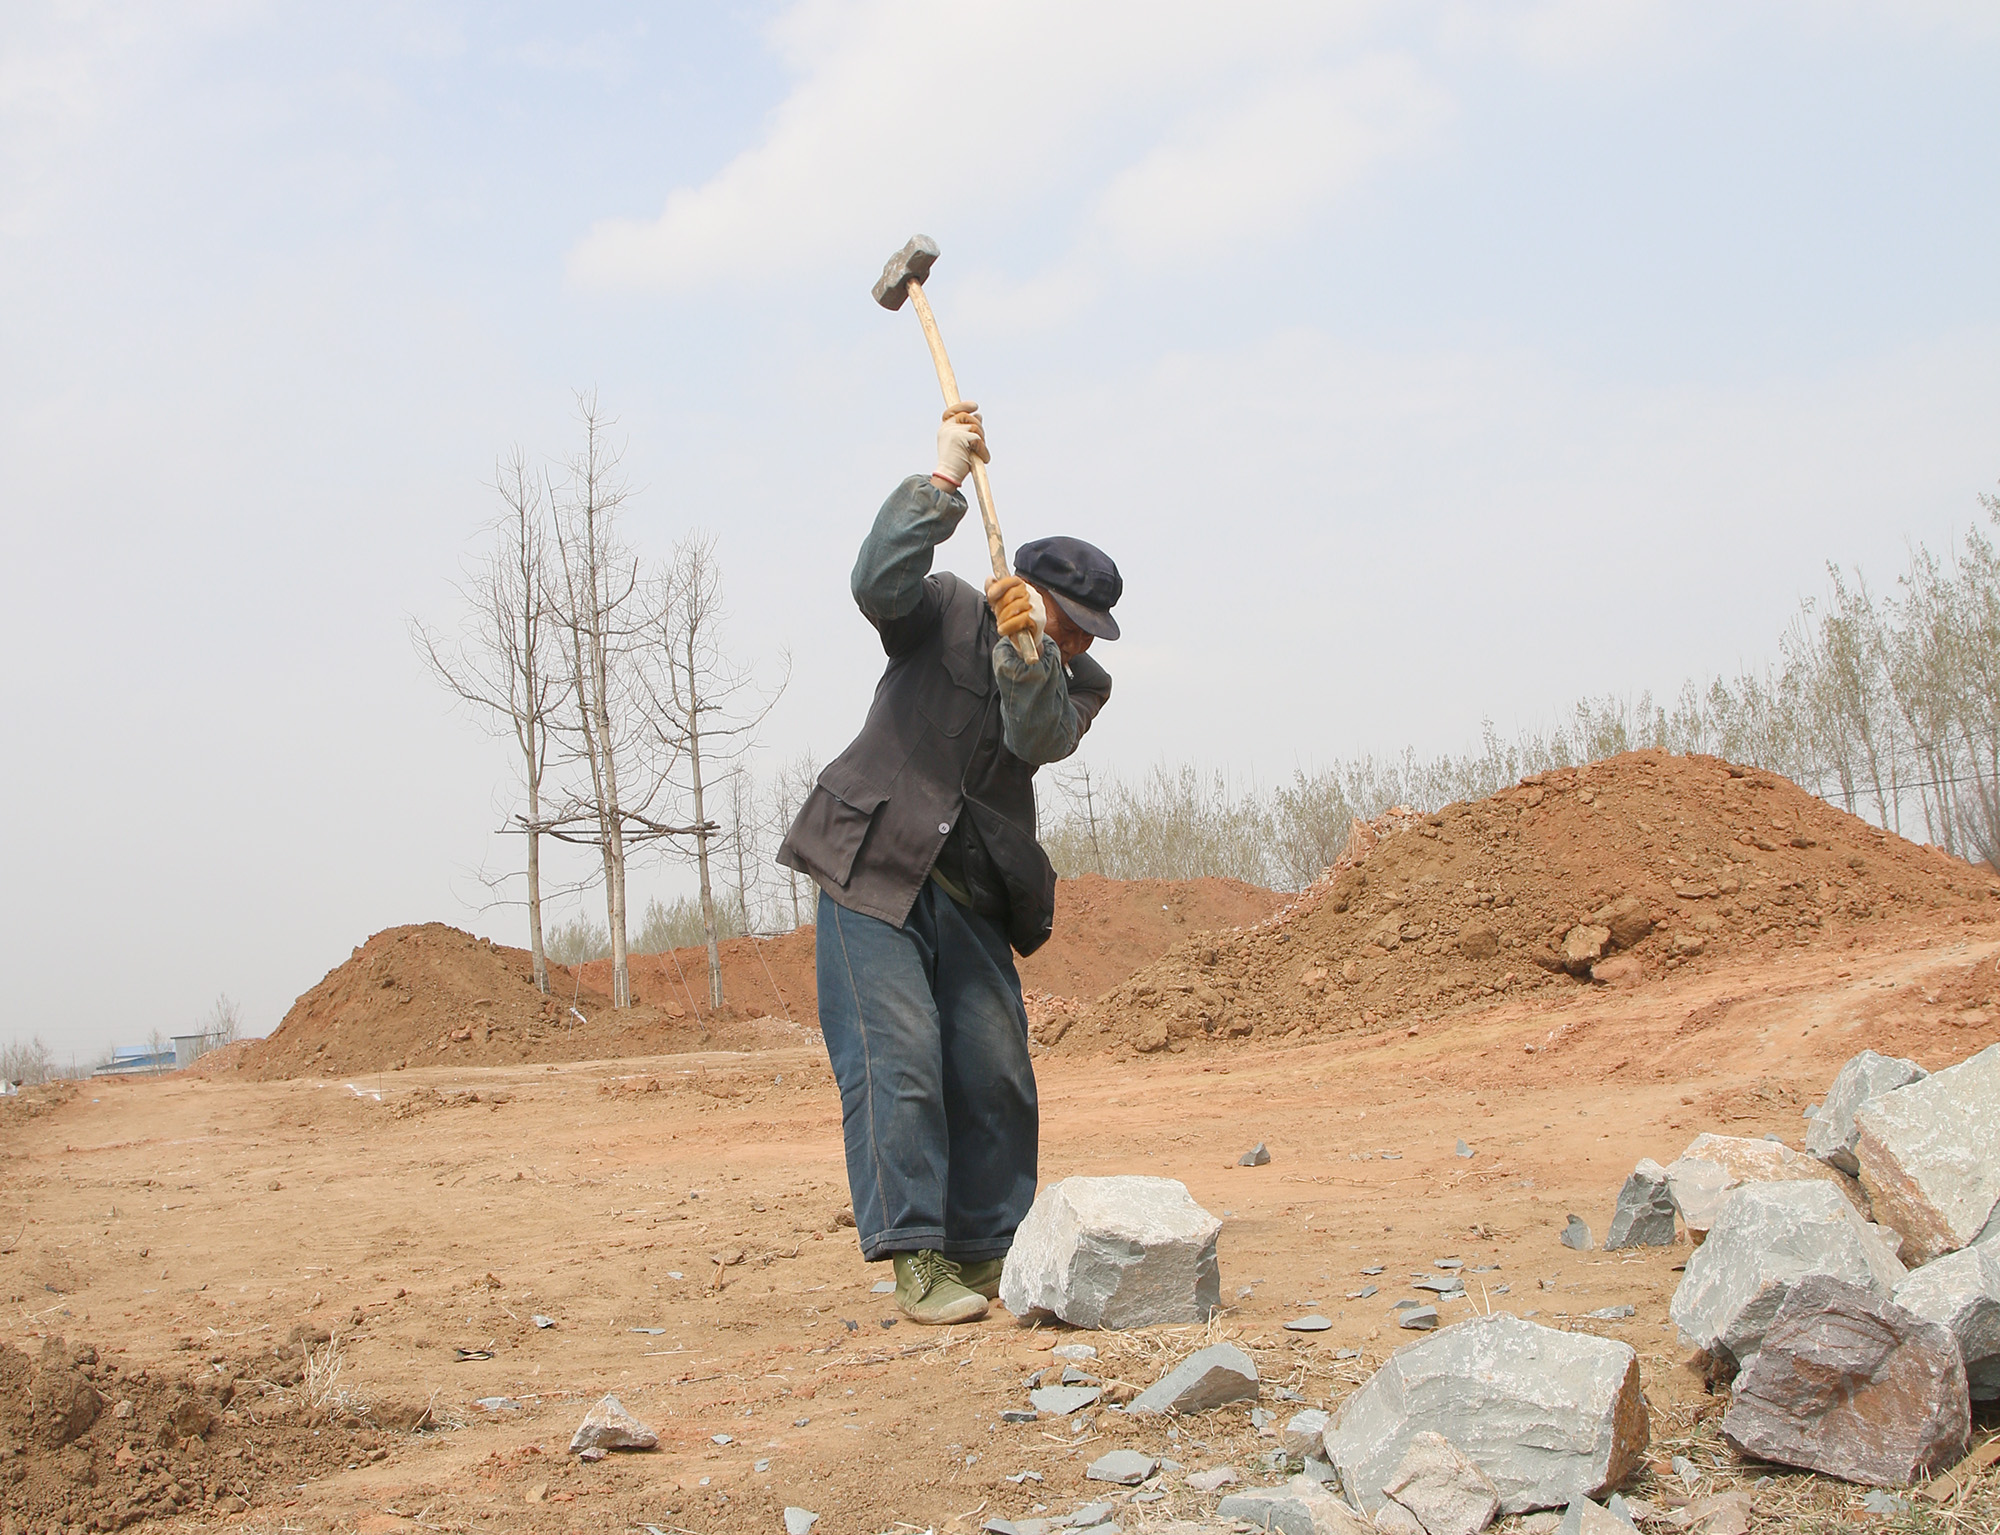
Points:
[[92, 1445], [435, 995], [1612, 873]]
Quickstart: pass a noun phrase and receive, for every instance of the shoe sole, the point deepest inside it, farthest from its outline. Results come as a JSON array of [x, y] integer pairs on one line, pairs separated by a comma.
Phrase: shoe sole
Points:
[[961, 1312]]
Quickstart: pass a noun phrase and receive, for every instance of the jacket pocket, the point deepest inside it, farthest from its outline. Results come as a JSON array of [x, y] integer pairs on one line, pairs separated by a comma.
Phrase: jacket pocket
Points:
[[1025, 871], [831, 828]]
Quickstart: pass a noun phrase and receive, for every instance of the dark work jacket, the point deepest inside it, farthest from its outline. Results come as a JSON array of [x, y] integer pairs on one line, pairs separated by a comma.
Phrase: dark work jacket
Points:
[[933, 750]]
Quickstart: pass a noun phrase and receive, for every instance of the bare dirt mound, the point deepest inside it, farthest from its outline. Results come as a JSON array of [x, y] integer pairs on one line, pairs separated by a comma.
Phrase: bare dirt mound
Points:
[[434, 995], [1679, 862], [1105, 929], [92, 1445]]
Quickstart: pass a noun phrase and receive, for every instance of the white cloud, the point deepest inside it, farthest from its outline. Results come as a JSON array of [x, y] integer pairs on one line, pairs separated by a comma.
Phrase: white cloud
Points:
[[907, 116]]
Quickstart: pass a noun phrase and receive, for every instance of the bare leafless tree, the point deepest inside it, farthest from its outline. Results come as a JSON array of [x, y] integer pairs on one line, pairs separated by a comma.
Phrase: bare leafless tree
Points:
[[223, 1023], [794, 781], [505, 662], [601, 609], [705, 708]]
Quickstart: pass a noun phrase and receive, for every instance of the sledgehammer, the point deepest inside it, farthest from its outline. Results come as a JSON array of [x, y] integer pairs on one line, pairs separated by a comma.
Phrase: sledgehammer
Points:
[[903, 277]]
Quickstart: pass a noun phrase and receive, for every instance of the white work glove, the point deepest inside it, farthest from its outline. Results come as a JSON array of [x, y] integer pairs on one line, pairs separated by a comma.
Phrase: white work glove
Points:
[[961, 439]]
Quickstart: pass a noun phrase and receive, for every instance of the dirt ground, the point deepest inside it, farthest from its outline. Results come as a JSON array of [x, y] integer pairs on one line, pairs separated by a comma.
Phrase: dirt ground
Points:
[[295, 1266]]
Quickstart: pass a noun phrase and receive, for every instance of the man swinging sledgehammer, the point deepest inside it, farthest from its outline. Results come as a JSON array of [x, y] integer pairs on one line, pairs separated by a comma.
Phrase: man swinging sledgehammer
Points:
[[921, 837]]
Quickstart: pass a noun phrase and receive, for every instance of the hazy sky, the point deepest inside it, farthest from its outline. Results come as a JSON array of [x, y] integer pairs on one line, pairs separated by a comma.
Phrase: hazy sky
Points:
[[1417, 362]]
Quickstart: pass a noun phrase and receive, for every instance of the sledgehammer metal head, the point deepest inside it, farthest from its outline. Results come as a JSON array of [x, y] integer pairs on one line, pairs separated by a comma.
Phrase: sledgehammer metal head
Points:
[[912, 261]]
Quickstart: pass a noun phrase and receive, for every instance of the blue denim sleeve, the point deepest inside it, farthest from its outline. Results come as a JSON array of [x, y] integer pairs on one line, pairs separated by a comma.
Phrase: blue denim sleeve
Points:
[[1043, 710], [888, 580]]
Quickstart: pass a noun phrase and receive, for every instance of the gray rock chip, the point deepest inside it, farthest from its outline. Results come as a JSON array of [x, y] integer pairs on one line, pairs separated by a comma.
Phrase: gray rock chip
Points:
[[1850, 1384], [1300, 1507], [1063, 1399], [1830, 1135], [1547, 1415], [1961, 1292], [1576, 1234], [608, 1426], [1114, 1253], [1441, 1486], [1303, 1431], [1314, 1323], [1768, 1237], [1702, 1178], [799, 1521], [1256, 1156], [1645, 1213], [1214, 1479], [1207, 1378], [1461, 1150], [1418, 1318], [1930, 1157], [998, 1526], [1584, 1517], [1128, 1468], [1090, 1515]]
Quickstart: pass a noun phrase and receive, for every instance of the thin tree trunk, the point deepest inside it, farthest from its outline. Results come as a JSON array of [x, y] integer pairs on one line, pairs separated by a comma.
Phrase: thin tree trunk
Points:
[[537, 954], [701, 829]]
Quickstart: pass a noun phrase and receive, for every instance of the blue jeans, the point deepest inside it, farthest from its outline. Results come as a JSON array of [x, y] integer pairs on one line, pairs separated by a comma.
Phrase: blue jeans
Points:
[[928, 1038]]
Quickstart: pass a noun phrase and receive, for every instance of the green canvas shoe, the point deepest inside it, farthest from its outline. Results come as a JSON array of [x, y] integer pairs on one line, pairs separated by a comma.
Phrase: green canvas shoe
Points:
[[928, 1291], [984, 1276]]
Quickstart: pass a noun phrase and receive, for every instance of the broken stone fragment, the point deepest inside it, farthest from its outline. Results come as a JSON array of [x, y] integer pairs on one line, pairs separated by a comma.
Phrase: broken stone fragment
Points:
[[1583, 946], [608, 1426], [1207, 1378], [1214, 1479], [1126, 1468], [1584, 1517], [1850, 1384], [1645, 1213], [1961, 1293], [1831, 1132], [1300, 1507], [1115, 1253], [1440, 1485], [1930, 1157], [1768, 1238], [1546, 1415], [1303, 1431], [1576, 1234], [1702, 1179], [1257, 1156]]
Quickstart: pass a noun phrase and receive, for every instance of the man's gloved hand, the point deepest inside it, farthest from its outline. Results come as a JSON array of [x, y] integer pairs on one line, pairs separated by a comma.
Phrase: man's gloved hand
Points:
[[961, 439], [1016, 606]]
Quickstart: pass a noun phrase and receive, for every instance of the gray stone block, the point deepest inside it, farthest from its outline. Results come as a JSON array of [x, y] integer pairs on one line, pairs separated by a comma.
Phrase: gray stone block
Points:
[[1849, 1384], [1930, 1157], [1063, 1399], [608, 1426], [1303, 1431], [1576, 1234], [1961, 1293], [1701, 1179], [1258, 1155], [1645, 1213], [1547, 1415], [1768, 1237], [1116, 1253], [1300, 1507], [1438, 1483], [1207, 1378], [1830, 1134]]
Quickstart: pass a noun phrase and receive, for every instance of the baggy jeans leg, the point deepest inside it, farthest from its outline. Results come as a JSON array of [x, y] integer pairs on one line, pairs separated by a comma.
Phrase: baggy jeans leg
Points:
[[928, 1039], [880, 1020], [991, 1112]]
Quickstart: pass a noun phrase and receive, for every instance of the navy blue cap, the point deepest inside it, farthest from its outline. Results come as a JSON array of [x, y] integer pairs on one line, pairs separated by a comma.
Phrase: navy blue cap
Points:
[[1080, 576]]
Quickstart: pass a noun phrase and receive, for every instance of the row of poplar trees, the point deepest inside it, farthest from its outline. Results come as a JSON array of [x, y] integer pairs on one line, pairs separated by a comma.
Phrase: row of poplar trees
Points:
[[608, 673]]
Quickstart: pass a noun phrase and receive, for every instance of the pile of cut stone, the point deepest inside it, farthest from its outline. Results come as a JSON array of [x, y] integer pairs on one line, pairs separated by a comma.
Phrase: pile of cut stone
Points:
[[1850, 1295]]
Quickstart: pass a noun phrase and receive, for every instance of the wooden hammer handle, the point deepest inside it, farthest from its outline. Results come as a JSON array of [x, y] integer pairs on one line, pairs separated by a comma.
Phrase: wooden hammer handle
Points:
[[1024, 642]]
